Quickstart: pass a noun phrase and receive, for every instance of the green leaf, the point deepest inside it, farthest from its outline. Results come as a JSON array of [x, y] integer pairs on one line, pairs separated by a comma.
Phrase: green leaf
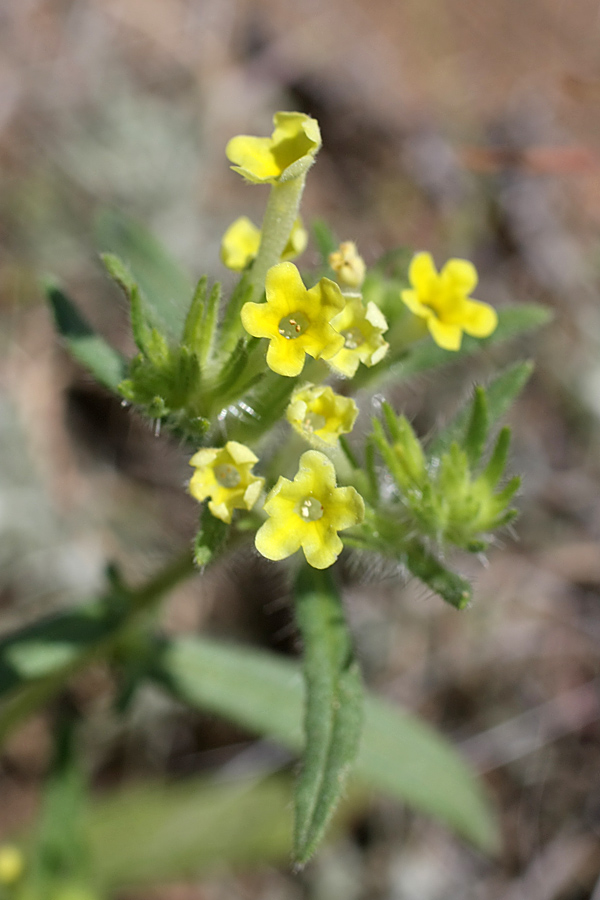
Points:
[[88, 348], [513, 321], [165, 287], [159, 832], [334, 708], [500, 393], [35, 661], [399, 754]]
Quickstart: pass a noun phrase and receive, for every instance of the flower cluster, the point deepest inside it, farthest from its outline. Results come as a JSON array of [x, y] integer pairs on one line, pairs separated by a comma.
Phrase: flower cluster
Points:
[[327, 321]]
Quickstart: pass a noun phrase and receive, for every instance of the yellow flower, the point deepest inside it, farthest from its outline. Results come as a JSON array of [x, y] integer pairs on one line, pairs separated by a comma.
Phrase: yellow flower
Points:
[[443, 300], [288, 153], [12, 864], [308, 512], [348, 265], [295, 320], [361, 328], [225, 475], [319, 414], [241, 241]]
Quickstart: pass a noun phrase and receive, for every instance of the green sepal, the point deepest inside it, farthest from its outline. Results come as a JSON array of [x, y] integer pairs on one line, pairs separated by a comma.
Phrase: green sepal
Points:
[[210, 539], [450, 586], [495, 468], [478, 427]]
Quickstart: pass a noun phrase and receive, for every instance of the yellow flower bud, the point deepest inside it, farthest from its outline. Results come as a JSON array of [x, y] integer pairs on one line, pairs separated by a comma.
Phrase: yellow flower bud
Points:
[[12, 864], [348, 265]]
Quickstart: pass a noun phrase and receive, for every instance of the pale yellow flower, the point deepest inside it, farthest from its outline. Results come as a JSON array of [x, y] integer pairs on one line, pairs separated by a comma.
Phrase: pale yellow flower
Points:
[[308, 512], [442, 300], [241, 241], [288, 153], [348, 265], [362, 329], [321, 415], [297, 321], [12, 864], [225, 475]]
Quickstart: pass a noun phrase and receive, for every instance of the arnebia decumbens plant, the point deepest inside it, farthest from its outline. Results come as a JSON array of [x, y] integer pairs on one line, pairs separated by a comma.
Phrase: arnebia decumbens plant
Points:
[[261, 388]]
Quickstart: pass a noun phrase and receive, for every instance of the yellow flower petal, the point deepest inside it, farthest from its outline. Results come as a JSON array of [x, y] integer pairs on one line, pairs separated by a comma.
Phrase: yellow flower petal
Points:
[[277, 539], [460, 275], [448, 337], [285, 357], [422, 273], [480, 319], [322, 545]]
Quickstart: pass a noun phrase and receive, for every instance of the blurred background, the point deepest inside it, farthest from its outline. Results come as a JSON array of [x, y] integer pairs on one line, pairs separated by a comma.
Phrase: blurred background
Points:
[[463, 128]]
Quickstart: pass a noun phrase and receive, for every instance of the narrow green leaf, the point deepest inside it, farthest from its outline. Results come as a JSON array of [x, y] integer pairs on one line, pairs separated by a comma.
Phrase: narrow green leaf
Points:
[[87, 347], [399, 754], [500, 392], [165, 287], [477, 428], [334, 708]]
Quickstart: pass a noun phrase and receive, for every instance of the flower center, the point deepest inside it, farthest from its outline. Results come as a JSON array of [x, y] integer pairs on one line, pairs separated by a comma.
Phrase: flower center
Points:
[[314, 421], [353, 338], [227, 475], [310, 509], [292, 326]]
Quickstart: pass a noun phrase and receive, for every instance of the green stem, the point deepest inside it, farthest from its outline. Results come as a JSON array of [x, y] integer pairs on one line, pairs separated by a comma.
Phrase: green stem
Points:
[[280, 215]]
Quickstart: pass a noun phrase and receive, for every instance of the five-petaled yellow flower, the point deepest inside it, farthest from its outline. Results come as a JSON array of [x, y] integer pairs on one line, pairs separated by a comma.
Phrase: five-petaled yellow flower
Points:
[[241, 241], [296, 320], [362, 328], [443, 300], [321, 415], [348, 265], [225, 475], [288, 153], [308, 512]]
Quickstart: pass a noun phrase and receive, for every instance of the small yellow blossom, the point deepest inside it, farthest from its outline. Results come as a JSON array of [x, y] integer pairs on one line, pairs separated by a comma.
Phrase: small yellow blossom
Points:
[[348, 265], [225, 475], [241, 241], [321, 415], [361, 328], [443, 300], [297, 321], [308, 512], [288, 153], [12, 864]]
